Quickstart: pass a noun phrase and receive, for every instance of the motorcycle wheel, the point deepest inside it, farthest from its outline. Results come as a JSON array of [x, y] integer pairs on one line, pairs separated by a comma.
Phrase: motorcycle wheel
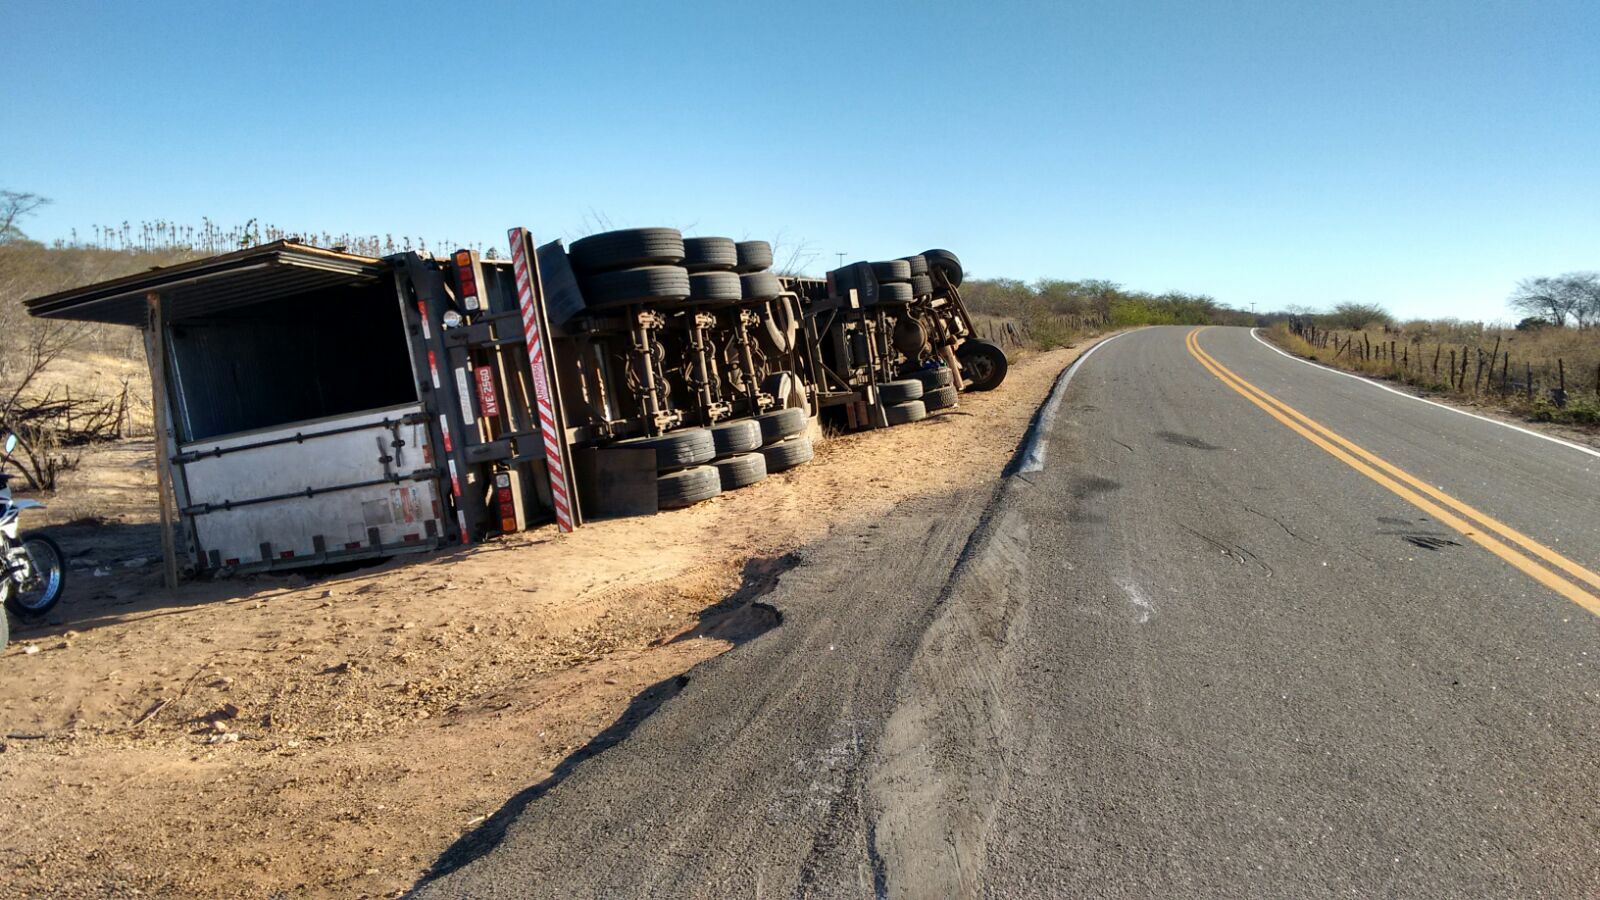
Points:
[[43, 591]]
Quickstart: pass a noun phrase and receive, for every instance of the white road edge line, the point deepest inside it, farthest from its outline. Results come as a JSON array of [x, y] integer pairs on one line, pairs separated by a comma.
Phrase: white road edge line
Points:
[[1383, 387], [1038, 443]]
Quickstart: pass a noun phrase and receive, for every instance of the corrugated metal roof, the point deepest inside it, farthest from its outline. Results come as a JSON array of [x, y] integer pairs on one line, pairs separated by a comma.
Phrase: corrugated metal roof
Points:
[[253, 275]]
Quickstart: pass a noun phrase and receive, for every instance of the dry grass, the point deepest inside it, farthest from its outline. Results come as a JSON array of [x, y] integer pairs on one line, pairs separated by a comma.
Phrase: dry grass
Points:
[[1519, 371]]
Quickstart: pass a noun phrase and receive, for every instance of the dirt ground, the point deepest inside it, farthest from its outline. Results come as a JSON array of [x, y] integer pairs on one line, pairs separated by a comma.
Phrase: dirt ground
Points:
[[332, 737]]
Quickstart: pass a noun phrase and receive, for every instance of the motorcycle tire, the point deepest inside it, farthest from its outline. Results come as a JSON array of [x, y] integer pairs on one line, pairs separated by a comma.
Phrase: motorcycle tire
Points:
[[24, 604]]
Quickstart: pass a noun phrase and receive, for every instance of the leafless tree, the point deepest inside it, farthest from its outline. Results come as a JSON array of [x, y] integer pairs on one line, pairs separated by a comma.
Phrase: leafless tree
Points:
[[1552, 299], [14, 205], [1584, 291]]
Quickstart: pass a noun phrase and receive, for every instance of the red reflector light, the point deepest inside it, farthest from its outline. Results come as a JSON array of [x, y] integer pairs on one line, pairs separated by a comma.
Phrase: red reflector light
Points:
[[508, 524]]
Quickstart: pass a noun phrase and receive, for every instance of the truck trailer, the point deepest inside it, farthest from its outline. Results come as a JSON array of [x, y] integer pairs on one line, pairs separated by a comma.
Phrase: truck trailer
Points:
[[315, 406]]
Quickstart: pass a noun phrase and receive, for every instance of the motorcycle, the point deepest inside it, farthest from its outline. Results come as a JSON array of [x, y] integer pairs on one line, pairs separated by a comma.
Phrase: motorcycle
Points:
[[33, 569]]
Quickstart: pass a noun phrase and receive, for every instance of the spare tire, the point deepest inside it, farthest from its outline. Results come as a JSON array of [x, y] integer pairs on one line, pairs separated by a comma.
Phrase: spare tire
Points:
[[676, 449], [687, 486], [895, 292], [651, 284], [919, 264], [737, 436], [892, 270], [788, 390], [939, 398], [983, 365], [934, 378], [627, 249], [759, 286], [781, 423], [922, 285], [899, 391], [714, 287], [946, 262], [787, 454], [754, 256], [709, 254], [739, 471], [903, 413]]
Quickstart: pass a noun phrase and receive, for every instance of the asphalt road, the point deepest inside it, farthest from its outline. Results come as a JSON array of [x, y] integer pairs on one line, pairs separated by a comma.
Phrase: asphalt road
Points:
[[1328, 640]]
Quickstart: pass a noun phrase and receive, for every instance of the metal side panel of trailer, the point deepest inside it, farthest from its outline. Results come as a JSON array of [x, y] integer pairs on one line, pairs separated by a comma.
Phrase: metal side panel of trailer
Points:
[[345, 487]]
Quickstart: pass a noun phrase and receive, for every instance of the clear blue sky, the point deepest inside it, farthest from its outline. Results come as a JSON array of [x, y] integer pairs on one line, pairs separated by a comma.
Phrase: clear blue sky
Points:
[[1424, 155]]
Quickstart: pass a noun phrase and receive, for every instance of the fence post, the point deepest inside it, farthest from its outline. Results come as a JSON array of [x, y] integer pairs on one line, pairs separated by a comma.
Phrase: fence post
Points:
[[1529, 366], [1452, 368]]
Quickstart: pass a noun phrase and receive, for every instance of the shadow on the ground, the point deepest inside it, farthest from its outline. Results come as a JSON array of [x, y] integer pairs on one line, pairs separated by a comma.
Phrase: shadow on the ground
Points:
[[114, 573], [737, 619]]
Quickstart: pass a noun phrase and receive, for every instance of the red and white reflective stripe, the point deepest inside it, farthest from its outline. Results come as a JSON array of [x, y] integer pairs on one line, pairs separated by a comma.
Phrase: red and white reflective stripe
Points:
[[433, 369], [541, 382], [444, 430]]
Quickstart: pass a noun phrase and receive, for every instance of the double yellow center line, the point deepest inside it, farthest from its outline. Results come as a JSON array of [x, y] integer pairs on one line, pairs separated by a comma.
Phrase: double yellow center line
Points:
[[1525, 555]]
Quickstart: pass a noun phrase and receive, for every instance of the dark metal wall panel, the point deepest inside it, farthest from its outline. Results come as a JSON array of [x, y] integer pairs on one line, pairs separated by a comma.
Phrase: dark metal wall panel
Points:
[[317, 354]]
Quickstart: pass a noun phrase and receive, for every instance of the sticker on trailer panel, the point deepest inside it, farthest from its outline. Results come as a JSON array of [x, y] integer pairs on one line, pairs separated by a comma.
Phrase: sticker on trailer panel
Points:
[[465, 394], [405, 505]]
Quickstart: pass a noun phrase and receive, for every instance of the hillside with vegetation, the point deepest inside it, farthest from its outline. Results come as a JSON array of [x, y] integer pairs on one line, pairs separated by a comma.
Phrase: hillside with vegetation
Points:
[[1544, 368]]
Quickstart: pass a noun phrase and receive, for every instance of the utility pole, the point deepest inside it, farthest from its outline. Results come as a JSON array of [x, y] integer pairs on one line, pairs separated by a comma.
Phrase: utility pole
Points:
[[841, 260]]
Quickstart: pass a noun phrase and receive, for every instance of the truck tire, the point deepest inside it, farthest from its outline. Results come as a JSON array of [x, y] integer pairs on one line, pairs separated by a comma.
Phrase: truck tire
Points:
[[737, 436], [983, 365], [651, 284], [895, 293], [939, 398], [788, 453], [741, 471], [754, 256], [900, 391], [788, 390], [627, 249], [903, 413], [686, 487], [946, 262], [710, 254], [676, 449], [714, 287], [892, 271], [760, 286], [932, 379], [780, 424], [919, 264], [922, 285]]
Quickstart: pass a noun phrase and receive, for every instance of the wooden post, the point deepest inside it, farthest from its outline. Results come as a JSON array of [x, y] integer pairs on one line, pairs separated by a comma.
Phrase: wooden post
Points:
[[1452, 367], [1529, 366], [1437, 349], [1561, 372], [156, 349]]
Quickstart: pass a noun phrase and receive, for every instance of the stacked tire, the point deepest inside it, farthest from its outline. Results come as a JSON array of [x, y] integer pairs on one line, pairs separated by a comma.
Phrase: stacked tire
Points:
[[738, 463], [938, 388], [660, 266], [683, 476], [784, 442], [724, 272], [633, 266], [902, 401]]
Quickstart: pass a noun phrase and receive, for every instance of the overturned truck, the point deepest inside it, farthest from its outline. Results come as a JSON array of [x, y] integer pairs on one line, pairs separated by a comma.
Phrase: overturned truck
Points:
[[314, 406]]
